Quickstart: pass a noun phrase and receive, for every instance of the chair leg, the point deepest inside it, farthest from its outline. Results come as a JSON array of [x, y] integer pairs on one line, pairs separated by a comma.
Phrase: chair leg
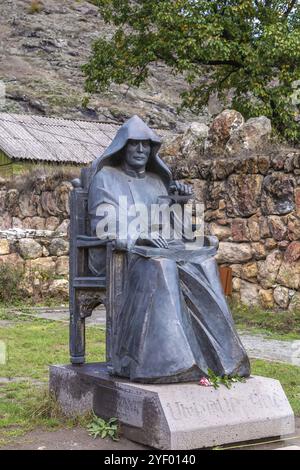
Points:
[[77, 332], [116, 268]]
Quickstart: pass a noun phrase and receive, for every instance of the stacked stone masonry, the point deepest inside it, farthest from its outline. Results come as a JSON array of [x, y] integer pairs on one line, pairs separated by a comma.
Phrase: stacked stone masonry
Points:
[[41, 259], [30, 202], [252, 204]]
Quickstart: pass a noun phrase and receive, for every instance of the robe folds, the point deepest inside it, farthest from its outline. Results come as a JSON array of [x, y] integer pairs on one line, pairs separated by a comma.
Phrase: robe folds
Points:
[[174, 323]]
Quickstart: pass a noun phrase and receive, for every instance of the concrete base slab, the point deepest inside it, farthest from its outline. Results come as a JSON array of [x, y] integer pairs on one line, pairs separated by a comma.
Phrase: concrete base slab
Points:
[[176, 416]]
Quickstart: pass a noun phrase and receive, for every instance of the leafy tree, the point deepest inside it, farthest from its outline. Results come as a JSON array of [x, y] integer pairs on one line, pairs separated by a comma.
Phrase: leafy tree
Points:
[[249, 46]]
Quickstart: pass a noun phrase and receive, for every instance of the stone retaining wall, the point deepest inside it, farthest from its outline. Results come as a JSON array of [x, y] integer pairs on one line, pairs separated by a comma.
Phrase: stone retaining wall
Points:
[[252, 204], [41, 257], [38, 202]]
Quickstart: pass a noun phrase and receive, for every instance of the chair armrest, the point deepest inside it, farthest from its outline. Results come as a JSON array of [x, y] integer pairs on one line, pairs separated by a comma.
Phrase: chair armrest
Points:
[[177, 198], [211, 240], [84, 241]]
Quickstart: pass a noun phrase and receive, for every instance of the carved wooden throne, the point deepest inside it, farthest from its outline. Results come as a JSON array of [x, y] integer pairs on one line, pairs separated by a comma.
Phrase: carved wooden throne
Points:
[[86, 290]]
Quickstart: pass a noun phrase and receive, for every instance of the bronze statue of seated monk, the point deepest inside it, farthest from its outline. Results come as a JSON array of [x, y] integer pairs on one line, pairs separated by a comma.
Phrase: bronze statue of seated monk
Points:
[[174, 323]]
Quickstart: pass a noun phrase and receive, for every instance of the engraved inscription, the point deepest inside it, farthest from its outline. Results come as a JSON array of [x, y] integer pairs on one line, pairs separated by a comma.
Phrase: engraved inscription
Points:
[[225, 405], [130, 409]]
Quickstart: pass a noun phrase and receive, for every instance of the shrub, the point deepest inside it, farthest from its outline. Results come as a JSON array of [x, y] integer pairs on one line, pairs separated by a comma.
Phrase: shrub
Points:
[[276, 322], [35, 6], [10, 280]]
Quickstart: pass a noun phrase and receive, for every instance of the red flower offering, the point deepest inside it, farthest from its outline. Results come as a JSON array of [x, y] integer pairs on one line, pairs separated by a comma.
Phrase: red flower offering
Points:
[[204, 382]]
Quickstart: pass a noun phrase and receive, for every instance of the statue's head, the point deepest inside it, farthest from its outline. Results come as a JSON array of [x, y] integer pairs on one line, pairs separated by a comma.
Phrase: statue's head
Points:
[[136, 145], [137, 153]]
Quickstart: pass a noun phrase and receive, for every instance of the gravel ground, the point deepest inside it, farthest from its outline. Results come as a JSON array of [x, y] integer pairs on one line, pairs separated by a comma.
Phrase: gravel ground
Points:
[[257, 346], [78, 439]]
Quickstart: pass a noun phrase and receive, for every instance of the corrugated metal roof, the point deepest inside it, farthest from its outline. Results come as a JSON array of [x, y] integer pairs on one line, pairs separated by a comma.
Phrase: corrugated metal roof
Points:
[[38, 138]]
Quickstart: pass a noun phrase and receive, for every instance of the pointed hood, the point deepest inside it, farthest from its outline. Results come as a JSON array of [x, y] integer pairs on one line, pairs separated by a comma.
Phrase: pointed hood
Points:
[[135, 129]]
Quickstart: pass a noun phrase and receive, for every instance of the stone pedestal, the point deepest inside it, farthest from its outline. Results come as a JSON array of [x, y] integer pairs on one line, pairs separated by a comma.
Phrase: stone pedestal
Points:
[[176, 416]]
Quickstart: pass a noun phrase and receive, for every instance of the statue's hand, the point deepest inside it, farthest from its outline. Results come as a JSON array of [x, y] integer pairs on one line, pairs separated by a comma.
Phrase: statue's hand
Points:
[[159, 242], [181, 188]]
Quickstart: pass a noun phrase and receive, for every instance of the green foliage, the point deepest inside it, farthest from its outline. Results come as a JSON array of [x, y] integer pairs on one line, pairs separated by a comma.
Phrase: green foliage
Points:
[[10, 279], [226, 380], [101, 428], [288, 376], [249, 46], [267, 322]]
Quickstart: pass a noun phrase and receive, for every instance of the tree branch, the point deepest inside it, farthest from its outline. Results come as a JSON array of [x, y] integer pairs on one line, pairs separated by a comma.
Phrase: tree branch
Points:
[[226, 76], [290, 7], [233, 63]]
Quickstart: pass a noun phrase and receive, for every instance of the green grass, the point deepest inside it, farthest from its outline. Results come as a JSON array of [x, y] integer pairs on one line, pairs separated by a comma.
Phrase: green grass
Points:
[[268, 334], [33, 344], [12, 293], [276, 325], [289, 377]]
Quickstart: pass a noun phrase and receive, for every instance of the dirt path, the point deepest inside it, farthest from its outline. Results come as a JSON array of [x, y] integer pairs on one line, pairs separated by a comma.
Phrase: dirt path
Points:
[[68, 439], [78, 439], [257, 346]]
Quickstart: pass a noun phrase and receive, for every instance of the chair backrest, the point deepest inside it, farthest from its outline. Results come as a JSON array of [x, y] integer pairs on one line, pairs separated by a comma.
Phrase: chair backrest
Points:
[[87, 291], [80, 226], [85, 177]]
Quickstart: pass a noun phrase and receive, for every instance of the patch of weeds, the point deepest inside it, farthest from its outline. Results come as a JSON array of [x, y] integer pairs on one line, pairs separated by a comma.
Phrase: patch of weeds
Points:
[[52, 302], [101, 428], [46, 410], [5, 314], [280, 322], [268, 334], [11, 278]]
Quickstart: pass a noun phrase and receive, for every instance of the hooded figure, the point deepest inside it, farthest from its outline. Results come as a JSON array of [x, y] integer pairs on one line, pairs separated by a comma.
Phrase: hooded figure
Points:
[[109, 181], [134, 129], [174, 323]]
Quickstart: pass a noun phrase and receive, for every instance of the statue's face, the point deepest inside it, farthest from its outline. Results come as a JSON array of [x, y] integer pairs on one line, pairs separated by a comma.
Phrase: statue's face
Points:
[[137, 153]]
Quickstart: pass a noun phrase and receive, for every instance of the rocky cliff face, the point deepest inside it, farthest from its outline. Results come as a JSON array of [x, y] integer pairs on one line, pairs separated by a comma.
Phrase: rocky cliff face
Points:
[[41, 54]]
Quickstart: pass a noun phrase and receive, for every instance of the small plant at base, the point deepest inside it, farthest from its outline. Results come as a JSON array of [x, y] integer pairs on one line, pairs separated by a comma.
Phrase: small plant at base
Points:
[[100, 427], [226, 380]]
